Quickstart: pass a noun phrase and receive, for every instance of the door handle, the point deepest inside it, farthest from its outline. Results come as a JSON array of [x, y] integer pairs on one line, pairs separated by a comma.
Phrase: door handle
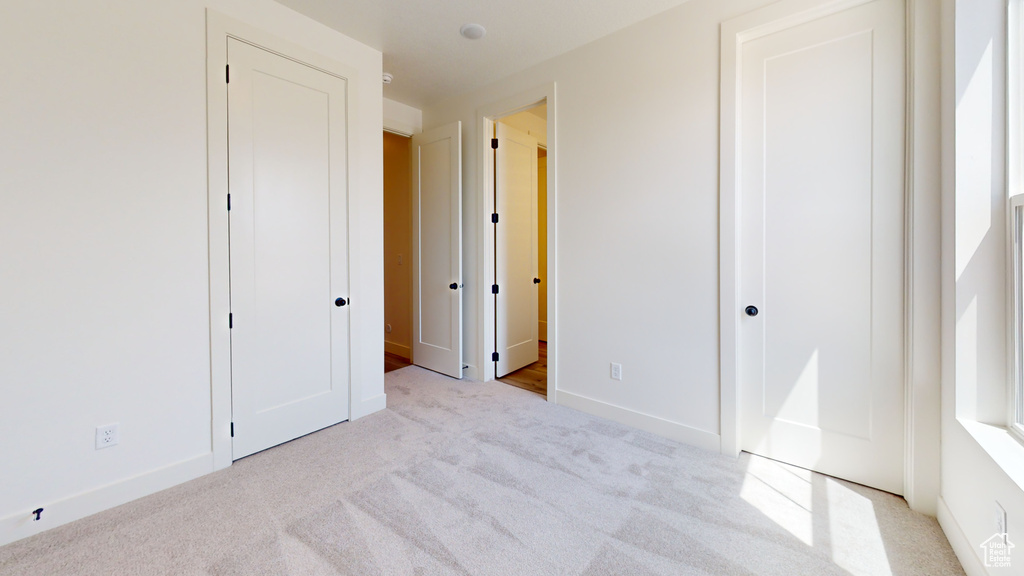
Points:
[[751, 311], [536, 280], [453, 286], [340, 302]]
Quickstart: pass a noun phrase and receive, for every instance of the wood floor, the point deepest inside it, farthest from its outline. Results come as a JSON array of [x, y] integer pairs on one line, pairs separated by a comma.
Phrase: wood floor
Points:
[[394, 362], [533, 377]]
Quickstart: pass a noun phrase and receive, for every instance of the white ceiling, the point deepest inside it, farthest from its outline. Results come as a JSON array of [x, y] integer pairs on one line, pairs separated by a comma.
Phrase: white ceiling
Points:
[[429, 59]]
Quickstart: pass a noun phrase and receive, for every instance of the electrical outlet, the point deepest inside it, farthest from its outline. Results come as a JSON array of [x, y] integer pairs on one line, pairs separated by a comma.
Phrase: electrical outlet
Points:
[[107, 436], [400, 259], [1000, 520], [616, 371]]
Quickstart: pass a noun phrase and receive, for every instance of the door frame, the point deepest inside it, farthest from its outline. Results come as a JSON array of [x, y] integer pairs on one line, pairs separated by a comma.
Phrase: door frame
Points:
[[486, 118], [922, 258], [219, 28]]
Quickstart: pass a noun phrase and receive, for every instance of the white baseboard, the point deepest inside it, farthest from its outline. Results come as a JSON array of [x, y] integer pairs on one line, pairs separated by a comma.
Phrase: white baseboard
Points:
[[398, 350], [961, 544], [367, 407], [71, 508], [471, 373], [652, 424]]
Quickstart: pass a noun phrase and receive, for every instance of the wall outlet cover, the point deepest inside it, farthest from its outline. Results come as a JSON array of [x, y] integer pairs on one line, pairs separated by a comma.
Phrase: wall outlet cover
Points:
[[108, 435]]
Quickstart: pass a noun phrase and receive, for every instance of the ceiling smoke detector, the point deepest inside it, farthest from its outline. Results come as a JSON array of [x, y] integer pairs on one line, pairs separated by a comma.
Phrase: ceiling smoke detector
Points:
[[387, 78], [472, 31]]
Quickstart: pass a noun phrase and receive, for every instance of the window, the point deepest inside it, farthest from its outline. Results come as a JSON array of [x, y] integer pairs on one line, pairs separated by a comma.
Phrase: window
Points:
[[1016, 270], [1015, 211]]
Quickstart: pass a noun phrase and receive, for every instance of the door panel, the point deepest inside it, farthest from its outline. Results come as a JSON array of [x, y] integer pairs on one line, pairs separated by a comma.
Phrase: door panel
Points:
[[516, 246], [822, 245], [288, 248], [437, 245]]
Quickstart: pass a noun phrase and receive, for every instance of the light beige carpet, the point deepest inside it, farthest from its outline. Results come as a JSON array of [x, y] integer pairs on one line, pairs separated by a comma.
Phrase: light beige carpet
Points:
[[469, 478]]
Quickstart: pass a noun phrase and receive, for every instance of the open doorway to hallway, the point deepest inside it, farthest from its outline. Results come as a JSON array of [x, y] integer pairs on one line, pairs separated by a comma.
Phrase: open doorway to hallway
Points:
[[397, 252]]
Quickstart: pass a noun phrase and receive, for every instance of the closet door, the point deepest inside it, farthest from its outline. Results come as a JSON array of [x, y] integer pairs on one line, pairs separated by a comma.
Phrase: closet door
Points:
[[822, 258], [288, 248]]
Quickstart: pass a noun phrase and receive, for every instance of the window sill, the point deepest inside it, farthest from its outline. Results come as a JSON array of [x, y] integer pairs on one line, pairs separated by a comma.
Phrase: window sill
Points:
[[1001, 446]]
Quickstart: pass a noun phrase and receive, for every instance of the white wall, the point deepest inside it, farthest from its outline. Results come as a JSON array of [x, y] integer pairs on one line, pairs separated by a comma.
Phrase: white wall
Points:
[[104, 271], [980, 463], [637, 213], [637, 225]]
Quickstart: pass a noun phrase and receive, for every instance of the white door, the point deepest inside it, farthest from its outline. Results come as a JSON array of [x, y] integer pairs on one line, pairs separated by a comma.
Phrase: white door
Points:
[[821, 245], [515, 244], [437, 246], [289, 249]]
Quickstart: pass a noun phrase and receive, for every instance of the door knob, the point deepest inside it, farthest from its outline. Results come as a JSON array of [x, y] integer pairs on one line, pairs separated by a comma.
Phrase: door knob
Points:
[[751, 311], [536, 280], [453, 286], [340, 302]]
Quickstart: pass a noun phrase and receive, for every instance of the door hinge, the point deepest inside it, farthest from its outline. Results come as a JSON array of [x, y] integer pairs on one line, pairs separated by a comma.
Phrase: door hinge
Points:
[[494, 356], [232, 429], [231, 320], [229, 201], [227, 74], [494, 218], [494, 143], [494, 288]]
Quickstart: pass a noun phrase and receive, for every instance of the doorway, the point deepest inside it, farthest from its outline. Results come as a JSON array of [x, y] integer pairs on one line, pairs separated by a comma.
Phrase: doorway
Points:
[[520, 240], [397, 251], [424, 229]]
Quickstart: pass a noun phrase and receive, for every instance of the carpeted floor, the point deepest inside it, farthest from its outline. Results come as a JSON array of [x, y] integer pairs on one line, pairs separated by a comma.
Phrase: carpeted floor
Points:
[[469, 478]]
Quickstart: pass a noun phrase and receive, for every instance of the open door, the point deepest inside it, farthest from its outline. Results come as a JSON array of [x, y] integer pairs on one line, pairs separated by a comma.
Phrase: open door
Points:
[[515, 266], [437, 249]]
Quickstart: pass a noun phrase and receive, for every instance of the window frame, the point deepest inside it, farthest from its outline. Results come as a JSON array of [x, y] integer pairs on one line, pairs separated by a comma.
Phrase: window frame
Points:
[[1015, 416], [1015, 215]]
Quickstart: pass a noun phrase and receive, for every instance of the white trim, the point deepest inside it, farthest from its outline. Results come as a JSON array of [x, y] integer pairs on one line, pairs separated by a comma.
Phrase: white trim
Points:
[[22, 525], [922, 242], [1015, 93], [485, 242], [219, 28], [360, 408], [402, 119], [653, 424], [1015, 301], [398, 349], [1015, 200], [962, 547]]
